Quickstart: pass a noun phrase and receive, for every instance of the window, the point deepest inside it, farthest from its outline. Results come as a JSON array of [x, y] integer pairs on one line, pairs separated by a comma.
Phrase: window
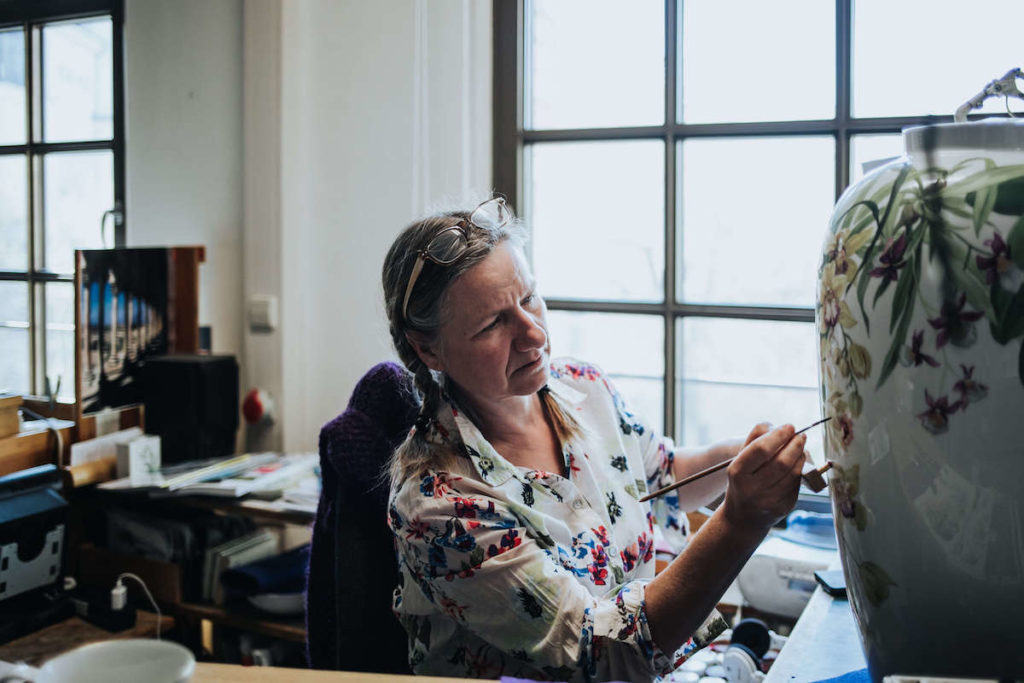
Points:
[[677, 161], [61, 176]]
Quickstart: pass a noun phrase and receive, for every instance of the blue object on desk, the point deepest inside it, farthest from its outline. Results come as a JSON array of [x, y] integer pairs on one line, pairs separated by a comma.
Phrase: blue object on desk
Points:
[[284, 573], [814, 529], [858, 676]]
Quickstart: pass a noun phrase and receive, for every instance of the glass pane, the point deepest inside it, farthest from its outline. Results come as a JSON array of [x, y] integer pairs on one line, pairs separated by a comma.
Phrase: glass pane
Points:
[[754, 215], [78, 80], [872, 150], [635, 362], [79, 187], [737, 373], [13, 213], [755, 61], [596, 63], [12, 87], [904, 62], [60, 338], [597, 219], [14, 339]]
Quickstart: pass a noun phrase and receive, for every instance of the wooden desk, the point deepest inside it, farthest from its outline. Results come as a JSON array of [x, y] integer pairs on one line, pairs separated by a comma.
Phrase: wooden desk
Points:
[[36, 648], [232, 673], [824, 643]]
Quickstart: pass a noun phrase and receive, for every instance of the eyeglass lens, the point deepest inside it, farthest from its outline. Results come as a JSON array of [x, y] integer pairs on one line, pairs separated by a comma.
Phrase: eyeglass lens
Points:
[[493, 213], [447, 246]]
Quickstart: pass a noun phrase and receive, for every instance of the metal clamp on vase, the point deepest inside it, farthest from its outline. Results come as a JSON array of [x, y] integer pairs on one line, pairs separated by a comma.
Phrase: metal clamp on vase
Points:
[[920, 317]]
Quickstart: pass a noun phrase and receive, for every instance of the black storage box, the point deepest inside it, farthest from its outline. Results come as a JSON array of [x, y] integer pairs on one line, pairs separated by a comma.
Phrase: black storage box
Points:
[[192, 405]]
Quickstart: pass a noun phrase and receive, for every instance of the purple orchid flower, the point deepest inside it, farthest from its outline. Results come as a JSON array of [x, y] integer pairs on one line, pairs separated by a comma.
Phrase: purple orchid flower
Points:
[[970, 390], [844, 498], [999, 262], [914, 356], [955, 325], [892, 258], [936, 418]]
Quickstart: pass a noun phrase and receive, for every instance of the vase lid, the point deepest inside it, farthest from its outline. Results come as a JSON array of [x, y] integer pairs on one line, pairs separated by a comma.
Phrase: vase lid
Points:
[[990, 134]]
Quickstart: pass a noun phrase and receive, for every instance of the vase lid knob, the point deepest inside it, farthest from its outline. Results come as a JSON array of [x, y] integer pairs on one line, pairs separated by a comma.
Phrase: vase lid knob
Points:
[[1000, 87]]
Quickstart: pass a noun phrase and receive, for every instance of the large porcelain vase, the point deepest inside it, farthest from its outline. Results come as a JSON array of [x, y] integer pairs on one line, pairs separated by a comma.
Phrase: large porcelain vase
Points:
[[920, 315]]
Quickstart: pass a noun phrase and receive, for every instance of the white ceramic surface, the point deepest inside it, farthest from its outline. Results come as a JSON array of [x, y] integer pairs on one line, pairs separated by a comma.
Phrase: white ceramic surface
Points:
[[920, 316], [121, 661]]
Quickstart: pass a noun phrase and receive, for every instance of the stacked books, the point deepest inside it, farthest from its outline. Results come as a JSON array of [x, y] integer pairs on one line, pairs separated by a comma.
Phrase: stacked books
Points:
[[243, 550]]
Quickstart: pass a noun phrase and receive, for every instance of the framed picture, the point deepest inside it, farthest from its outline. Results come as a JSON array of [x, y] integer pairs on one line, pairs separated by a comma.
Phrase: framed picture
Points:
[[130, 304]]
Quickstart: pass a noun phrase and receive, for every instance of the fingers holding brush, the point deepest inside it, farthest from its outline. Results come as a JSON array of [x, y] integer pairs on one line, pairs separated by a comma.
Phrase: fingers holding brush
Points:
[[758, 431], [765, 478]]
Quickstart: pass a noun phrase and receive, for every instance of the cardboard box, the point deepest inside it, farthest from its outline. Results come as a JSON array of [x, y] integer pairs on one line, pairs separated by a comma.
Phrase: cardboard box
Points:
[[139, 459], [10, 420]]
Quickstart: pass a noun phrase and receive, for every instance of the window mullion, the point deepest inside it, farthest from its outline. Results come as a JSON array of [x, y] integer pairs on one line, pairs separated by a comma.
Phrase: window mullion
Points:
[[37, 298], [32, 53], [844, 58], [671, 56], [117, 47]]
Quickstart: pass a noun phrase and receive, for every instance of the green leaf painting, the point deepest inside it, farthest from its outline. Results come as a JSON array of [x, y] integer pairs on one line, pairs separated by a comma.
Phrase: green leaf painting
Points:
[[949, 224], [876, 582]]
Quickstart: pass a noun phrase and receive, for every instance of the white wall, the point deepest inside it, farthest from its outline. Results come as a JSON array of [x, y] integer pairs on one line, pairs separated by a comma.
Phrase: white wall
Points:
[[295, 139], [183, 157], [384, 113], [262, 201]]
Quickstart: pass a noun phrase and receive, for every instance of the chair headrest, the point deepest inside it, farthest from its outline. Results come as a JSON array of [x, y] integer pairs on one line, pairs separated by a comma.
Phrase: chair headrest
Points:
[[387, 394]]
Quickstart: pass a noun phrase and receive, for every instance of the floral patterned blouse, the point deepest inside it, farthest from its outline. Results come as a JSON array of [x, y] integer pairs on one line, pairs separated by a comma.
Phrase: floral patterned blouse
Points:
[[510, 571]]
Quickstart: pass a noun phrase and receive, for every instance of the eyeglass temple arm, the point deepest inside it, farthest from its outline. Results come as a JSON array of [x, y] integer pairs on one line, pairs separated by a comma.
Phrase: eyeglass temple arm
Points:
[[408, 288]]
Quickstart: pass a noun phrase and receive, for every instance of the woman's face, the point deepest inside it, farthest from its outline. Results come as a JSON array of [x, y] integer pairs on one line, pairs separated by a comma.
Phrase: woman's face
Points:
[[494, 342]]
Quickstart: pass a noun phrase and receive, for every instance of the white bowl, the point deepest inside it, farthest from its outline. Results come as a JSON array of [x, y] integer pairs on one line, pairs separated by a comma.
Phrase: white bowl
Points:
[[121, 661], [282, 604]]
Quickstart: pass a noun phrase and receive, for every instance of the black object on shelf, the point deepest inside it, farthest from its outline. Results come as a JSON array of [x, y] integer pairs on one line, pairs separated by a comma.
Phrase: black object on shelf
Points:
[[95, 608], [192, 405]]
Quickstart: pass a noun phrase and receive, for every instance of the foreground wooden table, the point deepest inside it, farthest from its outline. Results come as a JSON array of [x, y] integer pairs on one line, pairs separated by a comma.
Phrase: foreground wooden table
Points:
[[38, 647], [232, 673]]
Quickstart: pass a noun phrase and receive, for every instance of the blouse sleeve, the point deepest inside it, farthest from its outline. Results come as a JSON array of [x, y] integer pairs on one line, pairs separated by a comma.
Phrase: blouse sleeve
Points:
[[478, 561], [658, 453]]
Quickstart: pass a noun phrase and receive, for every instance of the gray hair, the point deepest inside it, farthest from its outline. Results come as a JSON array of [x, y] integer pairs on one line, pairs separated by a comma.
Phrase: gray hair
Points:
[[427, 310]]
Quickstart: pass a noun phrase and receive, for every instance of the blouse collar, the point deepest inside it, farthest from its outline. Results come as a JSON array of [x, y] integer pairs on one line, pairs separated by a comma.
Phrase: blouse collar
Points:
[[453, 429]]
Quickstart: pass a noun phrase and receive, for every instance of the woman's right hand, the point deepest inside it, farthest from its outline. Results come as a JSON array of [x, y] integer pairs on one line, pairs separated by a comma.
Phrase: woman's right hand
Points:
[[764, 479]]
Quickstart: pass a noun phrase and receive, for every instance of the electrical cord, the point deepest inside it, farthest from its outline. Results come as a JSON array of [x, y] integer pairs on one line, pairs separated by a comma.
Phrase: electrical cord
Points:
[[118, 597]]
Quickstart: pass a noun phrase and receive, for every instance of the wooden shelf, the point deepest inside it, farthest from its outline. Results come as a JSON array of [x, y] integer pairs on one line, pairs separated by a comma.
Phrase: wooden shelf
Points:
[[246, 618], [257, 510]]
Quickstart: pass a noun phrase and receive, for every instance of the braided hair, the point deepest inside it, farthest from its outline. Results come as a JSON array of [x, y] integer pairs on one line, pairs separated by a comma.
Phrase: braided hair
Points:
[[426, 314]]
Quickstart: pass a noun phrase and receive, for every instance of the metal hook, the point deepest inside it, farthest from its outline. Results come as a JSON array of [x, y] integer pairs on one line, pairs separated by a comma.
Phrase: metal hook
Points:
[[1000, 87]]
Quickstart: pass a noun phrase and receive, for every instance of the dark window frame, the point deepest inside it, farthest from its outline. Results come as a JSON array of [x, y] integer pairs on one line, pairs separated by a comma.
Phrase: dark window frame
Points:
[[510, 83], [31, 16]]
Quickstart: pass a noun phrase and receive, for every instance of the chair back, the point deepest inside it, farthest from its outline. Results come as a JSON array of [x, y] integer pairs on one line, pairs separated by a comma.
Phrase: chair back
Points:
[[352, 567]]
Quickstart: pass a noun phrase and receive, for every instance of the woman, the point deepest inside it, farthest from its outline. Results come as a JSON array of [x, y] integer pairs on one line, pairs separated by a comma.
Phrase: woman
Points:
[[522, 546]]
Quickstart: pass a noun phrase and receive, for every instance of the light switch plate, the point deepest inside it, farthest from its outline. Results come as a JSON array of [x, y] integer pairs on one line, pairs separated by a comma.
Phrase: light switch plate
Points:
[[262, 313]]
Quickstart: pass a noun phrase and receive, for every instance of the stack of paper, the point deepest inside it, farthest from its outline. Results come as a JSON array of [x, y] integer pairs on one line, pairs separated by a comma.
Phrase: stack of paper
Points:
[[220, 470], [276, 474]]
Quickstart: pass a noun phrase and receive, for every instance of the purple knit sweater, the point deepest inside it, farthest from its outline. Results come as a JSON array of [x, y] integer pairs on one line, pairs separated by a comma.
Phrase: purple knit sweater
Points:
[[352, 567]]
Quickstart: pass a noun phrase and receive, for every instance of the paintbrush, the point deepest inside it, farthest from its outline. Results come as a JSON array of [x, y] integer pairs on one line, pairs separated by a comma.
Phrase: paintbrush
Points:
[[819, 481]]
